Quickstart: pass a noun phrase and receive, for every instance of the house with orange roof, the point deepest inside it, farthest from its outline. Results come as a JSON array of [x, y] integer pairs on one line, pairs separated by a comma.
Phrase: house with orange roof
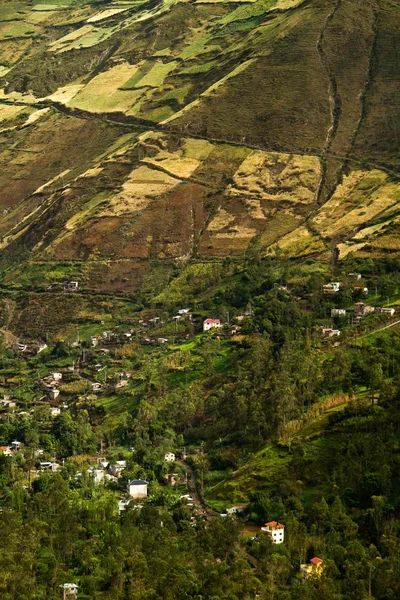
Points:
[[314, 568], [276, 530]]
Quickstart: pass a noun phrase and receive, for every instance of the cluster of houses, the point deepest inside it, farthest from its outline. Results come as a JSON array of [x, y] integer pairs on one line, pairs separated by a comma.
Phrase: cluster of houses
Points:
[[335, 286], [276, 531], [12, 448]]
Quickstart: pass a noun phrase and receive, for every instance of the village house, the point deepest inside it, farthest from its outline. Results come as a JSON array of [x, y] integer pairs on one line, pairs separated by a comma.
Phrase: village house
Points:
[[49, 466], [71, 286], [338, 312], [137, 488], [361, 310], [313, 569], [96, 386], [240, 509], [15, 446], [6, 403], [211, 324], [169, 457], [122, 504], [5, 450], [117, 468], [69, 591], [56, 376], [328, 332], [354, 276], [54, 393], [97, 475], [94, 341], [55, 411], [331, 288], [385, 310], [276, 530]]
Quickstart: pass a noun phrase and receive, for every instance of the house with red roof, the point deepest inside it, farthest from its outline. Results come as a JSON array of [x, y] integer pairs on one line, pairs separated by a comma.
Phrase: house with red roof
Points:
[[211, 324], [276, 530], [314, 568]]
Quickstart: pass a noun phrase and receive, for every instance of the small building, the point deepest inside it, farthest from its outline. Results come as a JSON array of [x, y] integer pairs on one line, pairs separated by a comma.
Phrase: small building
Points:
[[361, 309], [49, 466], [117, 468], [96, 387], [6, 403], [5, 450], [338, 312], [276, 530], [331, 288], [313, 569], [54, 393], [137, 488], [97, 475], [211, 324], [16, 446], [94, 341], [69, 591], [55, 412], [122, 504], [169, 457], [354, 276], [56, 376], [328, 332], [71, 286], [240, 509], [385, 310]]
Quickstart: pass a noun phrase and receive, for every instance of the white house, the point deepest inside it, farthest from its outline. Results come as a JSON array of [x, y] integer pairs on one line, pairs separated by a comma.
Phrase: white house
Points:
[[15, 445], [97, 475], [71, 286], [117, 468], [137, 488], [331, 288], [211, 324], [122, 504], [276, 530], [56, 376], [55, 412], [96, 386], [169, 457], [69, 591], [338, 312], [49, 466], [385, 310], [54, 393]]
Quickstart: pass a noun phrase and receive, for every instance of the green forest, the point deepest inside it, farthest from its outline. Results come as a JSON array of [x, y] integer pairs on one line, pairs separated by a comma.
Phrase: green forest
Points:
[[264, 413]]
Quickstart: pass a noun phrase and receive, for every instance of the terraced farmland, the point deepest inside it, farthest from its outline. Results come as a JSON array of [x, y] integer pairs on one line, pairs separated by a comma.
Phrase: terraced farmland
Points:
[[142, 131]]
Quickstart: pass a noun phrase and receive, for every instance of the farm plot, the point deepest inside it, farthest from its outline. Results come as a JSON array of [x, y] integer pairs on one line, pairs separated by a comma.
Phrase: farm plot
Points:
[[104, 93], [184, 161], [362, 196], [142, 185], [273, 176]]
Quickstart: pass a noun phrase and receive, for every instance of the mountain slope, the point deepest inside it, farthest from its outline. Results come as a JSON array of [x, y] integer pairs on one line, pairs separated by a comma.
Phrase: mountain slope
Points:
[[156, 131]]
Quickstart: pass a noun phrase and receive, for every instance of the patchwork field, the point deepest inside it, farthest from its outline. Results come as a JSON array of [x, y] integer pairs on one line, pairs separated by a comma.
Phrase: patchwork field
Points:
[[135, 131]]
